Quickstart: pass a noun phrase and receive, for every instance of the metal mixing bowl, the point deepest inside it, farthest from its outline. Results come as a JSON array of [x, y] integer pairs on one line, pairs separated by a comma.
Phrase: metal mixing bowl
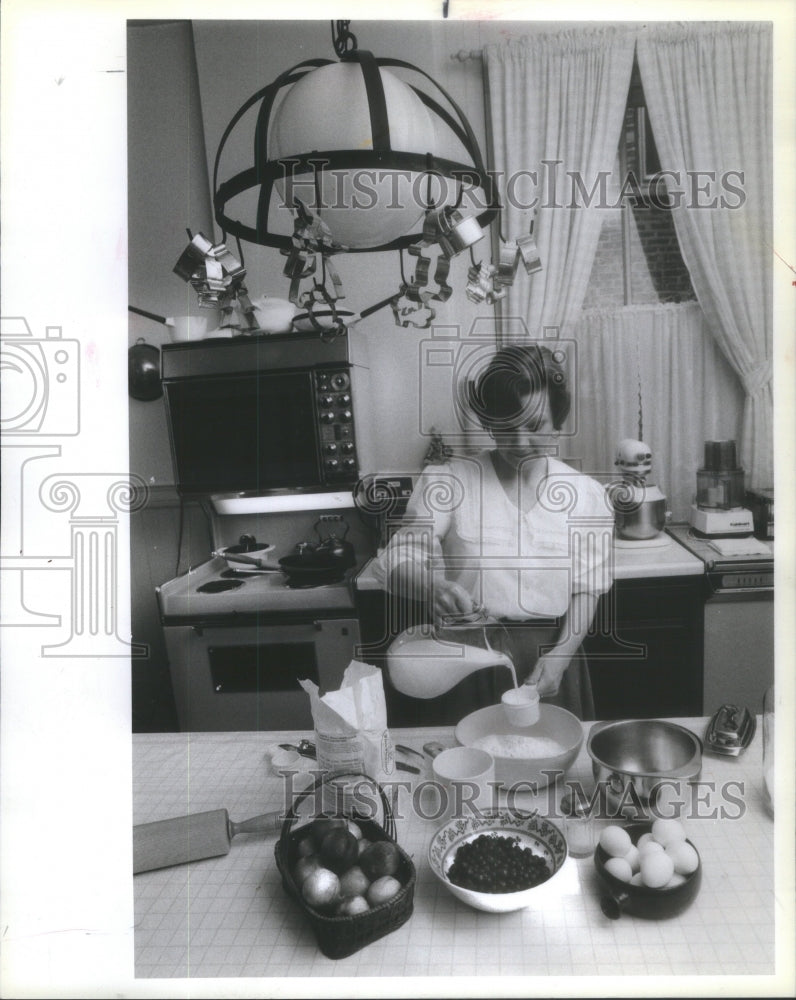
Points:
[[635, 758], [645, 521]]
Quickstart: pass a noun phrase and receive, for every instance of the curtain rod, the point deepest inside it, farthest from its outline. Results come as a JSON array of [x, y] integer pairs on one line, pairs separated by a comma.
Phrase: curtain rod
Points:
[[464, 55]]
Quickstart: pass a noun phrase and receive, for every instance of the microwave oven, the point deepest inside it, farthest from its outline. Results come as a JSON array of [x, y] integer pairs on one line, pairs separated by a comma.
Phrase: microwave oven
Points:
[[257, 416]]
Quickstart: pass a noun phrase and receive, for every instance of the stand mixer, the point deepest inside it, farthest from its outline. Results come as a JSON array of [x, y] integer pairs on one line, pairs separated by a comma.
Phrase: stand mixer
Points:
[[719, 511], [639, 508]]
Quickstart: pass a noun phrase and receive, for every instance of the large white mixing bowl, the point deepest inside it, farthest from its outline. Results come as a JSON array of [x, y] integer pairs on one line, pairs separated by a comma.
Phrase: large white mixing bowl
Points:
[[554, 723]]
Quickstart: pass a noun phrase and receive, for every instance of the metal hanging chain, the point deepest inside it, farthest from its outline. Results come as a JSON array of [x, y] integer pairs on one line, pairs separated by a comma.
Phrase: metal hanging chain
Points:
[[343, 40], [640, 400]]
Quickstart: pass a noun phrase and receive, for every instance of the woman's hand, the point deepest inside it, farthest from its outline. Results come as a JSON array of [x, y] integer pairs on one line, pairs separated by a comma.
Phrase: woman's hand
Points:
[[547, 674], [451, 599]]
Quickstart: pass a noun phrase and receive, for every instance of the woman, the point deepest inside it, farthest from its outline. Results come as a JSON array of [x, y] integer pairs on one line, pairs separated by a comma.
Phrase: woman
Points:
[[514, 533]]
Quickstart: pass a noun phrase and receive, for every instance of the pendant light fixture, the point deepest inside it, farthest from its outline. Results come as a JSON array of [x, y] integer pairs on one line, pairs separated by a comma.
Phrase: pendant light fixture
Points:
[[350, 158]]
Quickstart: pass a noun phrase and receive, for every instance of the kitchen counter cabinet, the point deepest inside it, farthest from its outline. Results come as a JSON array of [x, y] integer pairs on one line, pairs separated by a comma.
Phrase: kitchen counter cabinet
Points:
[[645, 650], [230, 917]]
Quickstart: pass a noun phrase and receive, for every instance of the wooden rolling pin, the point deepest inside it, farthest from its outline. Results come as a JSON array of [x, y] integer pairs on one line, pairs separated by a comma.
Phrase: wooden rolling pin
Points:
[[177, 841]]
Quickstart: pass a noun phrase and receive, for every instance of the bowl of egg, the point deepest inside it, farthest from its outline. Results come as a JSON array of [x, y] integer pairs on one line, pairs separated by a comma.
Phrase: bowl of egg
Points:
[[648, 869]]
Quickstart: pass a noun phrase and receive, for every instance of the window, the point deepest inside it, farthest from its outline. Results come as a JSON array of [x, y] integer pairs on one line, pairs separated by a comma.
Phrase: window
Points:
[[638, 259]]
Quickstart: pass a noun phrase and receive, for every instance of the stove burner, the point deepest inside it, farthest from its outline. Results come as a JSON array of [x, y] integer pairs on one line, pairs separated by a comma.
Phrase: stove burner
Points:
[[218, 586]]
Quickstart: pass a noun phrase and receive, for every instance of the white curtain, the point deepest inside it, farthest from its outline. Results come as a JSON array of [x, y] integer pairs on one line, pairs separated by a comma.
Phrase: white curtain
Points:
[[556, 102], [708, 92], [656, 366]]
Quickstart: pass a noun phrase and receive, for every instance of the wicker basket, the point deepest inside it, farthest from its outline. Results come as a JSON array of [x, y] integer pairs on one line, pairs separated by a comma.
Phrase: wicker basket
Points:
[[339, 937]]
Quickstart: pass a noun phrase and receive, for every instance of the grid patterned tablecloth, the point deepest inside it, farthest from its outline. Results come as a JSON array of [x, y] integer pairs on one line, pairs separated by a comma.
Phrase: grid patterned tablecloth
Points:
[[230, 917]]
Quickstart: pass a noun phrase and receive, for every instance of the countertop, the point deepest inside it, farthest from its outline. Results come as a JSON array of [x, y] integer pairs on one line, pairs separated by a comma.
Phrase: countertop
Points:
[[660, 557], [229, 916]]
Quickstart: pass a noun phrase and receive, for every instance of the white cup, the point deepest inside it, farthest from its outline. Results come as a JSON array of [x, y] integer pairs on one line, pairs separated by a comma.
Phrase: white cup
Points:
[[283, 760], [183, 328], [274, 315], [466, 780], [521, 705]]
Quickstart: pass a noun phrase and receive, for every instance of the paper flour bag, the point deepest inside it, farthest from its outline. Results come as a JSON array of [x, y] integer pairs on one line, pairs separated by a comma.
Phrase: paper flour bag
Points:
[[351, 724]]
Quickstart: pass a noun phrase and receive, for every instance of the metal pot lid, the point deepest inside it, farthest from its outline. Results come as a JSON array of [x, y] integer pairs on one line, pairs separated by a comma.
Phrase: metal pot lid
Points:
[[248, 552], [247, 543]]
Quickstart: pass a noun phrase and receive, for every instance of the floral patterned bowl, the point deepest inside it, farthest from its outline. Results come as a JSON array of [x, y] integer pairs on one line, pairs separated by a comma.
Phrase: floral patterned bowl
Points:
[[531, 831]]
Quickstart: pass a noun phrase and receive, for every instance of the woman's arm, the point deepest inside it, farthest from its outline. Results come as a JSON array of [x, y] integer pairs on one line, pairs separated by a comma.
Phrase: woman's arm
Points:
[[550, 668], [414, 560], [410, 580]]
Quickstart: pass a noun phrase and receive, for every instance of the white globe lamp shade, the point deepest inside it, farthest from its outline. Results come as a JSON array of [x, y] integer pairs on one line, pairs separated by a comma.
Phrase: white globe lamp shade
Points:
[[328, 110]]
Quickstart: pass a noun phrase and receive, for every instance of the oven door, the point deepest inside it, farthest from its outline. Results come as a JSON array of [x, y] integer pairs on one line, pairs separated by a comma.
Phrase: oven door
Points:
[[246, 678]]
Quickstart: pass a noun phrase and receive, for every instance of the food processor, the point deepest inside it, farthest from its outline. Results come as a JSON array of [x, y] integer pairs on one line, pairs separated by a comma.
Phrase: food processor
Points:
[[719, 511]]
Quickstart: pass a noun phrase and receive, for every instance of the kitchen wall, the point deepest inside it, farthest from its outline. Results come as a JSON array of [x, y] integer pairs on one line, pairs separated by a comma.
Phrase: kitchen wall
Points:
[[167, 191], [166, 184]]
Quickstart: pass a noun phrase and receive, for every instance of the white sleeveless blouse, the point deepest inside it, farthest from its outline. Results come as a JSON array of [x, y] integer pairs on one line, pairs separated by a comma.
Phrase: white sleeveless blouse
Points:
[[461, 523]]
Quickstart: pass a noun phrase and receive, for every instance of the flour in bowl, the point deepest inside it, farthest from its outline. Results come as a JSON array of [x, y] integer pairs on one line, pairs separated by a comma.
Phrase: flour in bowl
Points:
[[524, 747]]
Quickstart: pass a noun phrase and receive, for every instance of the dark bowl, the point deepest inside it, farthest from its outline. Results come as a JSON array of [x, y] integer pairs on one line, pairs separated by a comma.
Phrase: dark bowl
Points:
[[618, 897]]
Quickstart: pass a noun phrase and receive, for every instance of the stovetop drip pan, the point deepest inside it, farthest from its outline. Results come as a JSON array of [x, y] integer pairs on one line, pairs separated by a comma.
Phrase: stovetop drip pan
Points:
[[219, 586]]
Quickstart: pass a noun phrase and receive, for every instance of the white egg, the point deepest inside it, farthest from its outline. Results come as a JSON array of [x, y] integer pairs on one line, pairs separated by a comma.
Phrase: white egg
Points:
[[656, 869], [684, 857], [633, 858], [619, 868], [674, 881], [645, 838], [667, 831], [615, 841], [637, 879], [650, 847]]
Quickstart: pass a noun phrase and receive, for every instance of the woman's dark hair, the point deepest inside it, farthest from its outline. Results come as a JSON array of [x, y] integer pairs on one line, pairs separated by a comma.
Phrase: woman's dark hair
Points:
[[499, 395]]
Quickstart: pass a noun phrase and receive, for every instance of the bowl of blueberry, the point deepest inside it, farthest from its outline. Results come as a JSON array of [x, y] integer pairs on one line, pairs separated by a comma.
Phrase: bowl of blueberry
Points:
[[498, 861]]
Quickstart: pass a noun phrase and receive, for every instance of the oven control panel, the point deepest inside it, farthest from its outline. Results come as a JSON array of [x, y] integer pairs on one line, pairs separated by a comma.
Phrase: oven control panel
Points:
[[335, 410]]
